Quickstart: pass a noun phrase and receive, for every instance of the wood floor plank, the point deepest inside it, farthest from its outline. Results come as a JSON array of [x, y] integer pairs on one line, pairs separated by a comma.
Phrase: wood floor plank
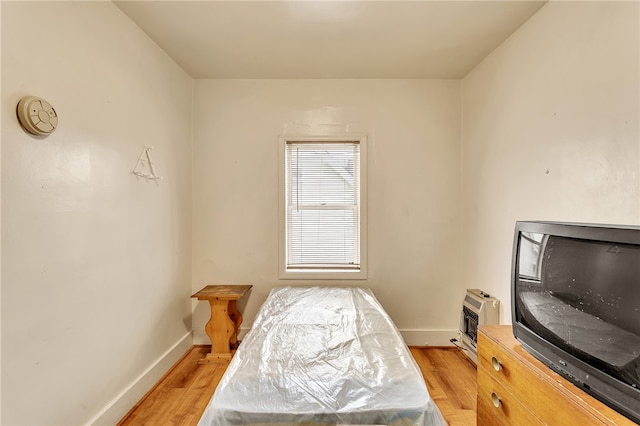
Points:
[[197, 396], [451, 381], [459, 394], [182, 395], [187, 382], [429, 373]]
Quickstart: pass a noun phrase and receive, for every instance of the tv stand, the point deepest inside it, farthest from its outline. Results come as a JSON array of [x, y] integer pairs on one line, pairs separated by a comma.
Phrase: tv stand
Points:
[[514, 388]]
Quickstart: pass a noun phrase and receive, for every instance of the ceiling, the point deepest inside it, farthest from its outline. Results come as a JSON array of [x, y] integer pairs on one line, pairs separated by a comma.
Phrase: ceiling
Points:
[[328, 39]]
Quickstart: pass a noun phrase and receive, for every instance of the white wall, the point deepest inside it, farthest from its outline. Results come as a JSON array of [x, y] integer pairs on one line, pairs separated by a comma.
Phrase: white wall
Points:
[[95, 263], [413, 182], [550, 132]]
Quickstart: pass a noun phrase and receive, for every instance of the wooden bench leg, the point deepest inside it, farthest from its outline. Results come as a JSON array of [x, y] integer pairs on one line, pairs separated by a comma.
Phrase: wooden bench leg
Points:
[[220, 330], [236, 317]]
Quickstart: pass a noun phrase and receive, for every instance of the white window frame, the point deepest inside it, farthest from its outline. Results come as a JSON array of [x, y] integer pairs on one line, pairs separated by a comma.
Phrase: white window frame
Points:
[[282, 212]]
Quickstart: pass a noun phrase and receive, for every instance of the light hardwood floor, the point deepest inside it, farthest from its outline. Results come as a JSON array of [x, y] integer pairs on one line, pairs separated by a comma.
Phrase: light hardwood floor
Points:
[[182, 395]]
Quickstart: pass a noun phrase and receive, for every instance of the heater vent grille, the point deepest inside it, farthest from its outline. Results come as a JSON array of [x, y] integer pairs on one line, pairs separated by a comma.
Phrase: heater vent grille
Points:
[[470, 320], [478, 308]]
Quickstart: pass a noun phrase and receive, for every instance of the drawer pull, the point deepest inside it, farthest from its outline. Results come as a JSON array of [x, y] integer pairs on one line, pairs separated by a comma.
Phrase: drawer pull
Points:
[[496, 364], [496, 400]]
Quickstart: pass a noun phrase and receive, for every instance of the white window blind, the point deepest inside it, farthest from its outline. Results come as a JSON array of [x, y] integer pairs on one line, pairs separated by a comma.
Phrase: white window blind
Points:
[[322, 206]]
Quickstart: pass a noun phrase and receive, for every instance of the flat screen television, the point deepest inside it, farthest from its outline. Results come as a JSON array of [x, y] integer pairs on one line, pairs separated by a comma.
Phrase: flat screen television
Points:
[[576, 305]]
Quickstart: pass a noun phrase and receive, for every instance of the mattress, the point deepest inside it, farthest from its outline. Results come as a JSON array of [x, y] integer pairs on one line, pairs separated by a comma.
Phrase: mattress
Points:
[[322, 356]]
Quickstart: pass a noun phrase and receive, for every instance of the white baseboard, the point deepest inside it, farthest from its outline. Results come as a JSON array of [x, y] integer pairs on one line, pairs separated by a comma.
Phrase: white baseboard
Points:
[[413, 337], [121, 404]]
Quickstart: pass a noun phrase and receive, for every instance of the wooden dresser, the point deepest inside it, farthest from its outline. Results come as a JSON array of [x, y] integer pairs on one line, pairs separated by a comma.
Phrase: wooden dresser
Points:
[[514, 388]]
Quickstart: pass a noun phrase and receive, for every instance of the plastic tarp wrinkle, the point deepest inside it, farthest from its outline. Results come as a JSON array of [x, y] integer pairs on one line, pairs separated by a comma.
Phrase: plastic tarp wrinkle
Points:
[[322, 356]]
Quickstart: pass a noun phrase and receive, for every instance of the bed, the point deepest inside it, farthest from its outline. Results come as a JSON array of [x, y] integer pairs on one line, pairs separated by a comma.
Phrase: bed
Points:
[[322, 356]]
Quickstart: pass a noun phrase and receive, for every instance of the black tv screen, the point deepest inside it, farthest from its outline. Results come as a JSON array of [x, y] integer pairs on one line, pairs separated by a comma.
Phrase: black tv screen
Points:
[[576, 305]]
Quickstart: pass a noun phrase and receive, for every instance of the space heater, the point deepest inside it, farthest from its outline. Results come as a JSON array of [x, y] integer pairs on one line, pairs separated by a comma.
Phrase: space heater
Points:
[[478, 308]]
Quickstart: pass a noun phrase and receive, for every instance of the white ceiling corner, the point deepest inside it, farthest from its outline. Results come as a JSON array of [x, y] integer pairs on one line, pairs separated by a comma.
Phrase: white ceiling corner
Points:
[[328, 39]]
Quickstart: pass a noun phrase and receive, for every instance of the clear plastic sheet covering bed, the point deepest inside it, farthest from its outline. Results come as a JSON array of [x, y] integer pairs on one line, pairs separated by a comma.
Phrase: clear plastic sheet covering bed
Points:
[[322, 356]]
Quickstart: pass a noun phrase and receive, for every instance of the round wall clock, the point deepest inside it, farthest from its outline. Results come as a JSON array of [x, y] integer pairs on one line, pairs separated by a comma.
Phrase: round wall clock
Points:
[[37, 116]]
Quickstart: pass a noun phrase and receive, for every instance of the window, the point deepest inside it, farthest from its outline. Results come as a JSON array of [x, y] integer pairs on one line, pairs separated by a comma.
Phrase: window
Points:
[[323, 214]]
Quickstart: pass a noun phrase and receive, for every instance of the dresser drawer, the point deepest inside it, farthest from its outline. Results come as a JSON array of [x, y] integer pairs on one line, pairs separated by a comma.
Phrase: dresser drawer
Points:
[[498, 406], [503, 367]]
